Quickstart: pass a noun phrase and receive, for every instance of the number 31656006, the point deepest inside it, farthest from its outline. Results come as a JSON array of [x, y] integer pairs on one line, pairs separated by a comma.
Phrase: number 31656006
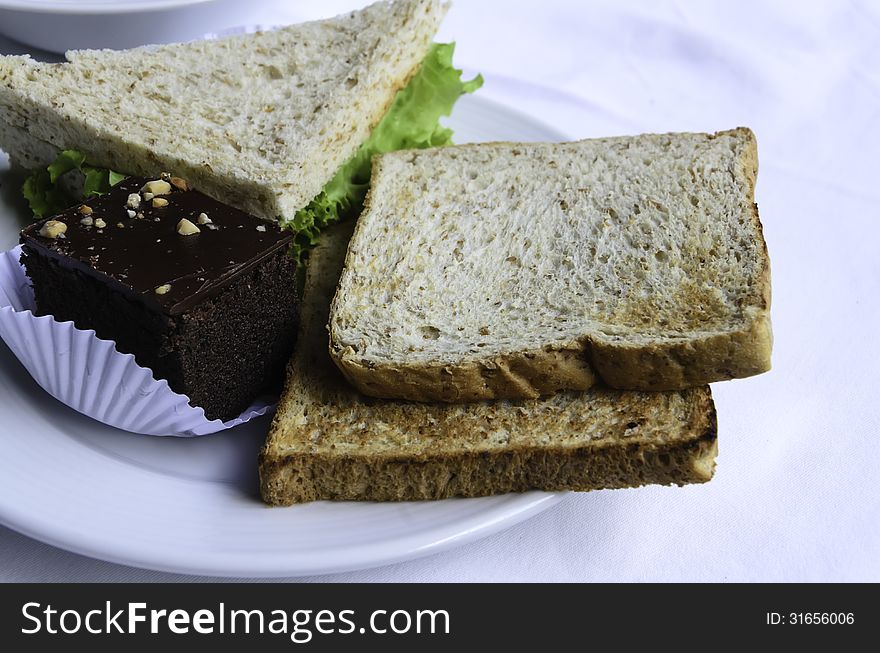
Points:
[[811, 618]]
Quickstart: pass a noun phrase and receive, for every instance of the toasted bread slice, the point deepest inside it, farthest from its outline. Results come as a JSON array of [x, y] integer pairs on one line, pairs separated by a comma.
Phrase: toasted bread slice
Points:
[[521, 270], [328, 441]]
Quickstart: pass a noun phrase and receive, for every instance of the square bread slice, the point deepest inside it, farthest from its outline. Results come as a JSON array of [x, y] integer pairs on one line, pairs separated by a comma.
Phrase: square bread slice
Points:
[[520, 270], [328, 441]]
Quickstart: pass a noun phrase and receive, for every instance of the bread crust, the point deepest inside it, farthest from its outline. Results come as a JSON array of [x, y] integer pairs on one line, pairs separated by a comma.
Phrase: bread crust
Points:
[[286, 479], [542, 372], [693, 360]]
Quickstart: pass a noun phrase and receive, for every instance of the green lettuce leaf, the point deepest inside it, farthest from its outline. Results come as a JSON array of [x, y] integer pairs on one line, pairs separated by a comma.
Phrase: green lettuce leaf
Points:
[[45, 195], [413, 121]]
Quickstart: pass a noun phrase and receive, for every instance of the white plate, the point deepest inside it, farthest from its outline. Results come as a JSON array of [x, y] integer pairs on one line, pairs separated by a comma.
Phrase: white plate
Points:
[[96, 6], [192, 505], [60, 25]]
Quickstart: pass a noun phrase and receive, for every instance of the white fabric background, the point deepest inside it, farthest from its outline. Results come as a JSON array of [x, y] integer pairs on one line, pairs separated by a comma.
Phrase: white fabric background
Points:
[[797, 491]]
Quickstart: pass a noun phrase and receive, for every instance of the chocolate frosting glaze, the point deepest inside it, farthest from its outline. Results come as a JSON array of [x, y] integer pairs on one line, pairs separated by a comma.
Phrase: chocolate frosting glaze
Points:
[[138, 255]]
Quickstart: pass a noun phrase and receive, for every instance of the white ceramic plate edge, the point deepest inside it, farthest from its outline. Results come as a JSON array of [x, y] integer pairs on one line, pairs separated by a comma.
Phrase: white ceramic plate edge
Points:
[[367, 557], [92, 7]]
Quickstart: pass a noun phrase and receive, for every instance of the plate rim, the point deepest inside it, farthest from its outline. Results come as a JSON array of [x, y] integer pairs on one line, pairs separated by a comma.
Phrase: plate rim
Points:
[[508, 510], [88, 8], [532, 504]]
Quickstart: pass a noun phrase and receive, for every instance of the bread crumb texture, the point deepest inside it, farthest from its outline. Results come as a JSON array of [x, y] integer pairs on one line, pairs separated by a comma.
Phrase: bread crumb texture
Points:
[[519, 270], [261, 121]]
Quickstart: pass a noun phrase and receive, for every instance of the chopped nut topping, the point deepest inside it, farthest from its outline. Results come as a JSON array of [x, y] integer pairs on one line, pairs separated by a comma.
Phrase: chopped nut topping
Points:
[[100, 224], [161, 290], [179, 184], [211, 226], [261, 228], [187, 228], [85, 209], [131, 213], [157, 187], [165, 176], [159, 202], [120, 225], [134, 201], [140, 216], [148, 197], [53, 229], [87, 221], [204, 219]]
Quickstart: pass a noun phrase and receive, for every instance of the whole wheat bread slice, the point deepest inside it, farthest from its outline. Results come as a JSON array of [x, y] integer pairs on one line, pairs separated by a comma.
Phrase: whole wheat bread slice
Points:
[[261, 121], [520, 270], [327, 441]]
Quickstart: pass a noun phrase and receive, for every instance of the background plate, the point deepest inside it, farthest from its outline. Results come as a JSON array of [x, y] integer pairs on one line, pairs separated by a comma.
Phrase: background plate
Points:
[[192, 505], [60, 25]]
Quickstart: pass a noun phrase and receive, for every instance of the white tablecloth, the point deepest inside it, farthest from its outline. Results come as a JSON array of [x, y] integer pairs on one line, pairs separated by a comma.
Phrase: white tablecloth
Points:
[[797, 491]]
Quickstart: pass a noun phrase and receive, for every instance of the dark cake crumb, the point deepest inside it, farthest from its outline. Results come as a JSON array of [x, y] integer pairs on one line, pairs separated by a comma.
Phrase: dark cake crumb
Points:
[[213, 312]]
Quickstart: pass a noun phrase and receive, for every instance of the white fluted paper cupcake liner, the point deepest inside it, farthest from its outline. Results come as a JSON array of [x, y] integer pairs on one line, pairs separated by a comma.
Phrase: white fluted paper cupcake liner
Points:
[[89, 375]]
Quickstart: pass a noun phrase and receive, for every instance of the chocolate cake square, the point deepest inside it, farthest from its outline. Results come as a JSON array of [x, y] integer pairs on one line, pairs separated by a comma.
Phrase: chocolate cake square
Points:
[[201, 293]]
